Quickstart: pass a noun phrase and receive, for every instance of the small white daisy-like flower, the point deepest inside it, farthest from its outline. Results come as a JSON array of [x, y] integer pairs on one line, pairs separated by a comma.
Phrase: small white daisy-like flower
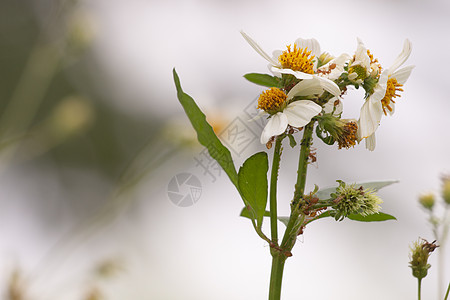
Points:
[[382, 100], [300, 61], [284, 112], [362, 65]]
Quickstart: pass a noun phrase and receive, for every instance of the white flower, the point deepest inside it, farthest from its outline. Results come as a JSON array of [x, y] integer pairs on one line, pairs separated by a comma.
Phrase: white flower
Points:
[[334, 68], [362, 65], [296, 113], [301, 61], [382, 100]]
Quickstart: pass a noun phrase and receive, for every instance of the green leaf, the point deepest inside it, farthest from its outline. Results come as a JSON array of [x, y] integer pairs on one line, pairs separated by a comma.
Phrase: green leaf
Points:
[[246, 213], [263, 79], [371, 218], [325, 194], [284, 220], [323, 215], [205, 133], [252, 183]]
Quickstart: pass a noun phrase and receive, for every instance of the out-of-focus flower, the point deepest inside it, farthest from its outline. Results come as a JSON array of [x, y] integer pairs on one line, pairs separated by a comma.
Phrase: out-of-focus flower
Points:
[[427, 201], [73, 114], [300, 61], [446, 189]]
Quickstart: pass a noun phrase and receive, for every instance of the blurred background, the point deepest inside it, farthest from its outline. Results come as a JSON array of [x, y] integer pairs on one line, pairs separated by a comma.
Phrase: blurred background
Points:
[[94, 143]]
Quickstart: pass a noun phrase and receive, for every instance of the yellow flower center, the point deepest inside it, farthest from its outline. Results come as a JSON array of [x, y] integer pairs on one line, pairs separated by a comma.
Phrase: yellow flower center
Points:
[[298, 59], [348, 137], [391, 92], [360, 71], [272, 99]]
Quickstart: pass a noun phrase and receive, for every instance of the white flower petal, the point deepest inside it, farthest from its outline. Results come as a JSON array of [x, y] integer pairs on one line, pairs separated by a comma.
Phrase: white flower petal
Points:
[[297, 74], [329, 106], [402, 75], [361, 56], [300, 113], [276, 54], [306, 87], [371, 142], [369, 120], [277, 125], [311, 45], [259, 49], [402, 57], [329, 86]]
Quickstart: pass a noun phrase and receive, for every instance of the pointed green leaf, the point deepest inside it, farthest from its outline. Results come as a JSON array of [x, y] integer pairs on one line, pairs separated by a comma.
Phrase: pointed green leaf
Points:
[[252, 182], [325, 194], [263, 79], [371, 218], [205, 133], [377, 185]]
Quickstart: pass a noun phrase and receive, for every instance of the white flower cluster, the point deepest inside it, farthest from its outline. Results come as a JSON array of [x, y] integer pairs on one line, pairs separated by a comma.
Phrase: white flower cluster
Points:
[[311, 83]]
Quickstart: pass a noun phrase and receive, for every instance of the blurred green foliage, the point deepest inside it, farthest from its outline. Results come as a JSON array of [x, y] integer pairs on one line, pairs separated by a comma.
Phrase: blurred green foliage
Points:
[[111, 139]]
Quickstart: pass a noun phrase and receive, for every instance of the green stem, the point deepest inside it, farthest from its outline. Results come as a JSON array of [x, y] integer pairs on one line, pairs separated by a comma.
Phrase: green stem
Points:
[[448, 290], [273, 190], [303, 162], [419, 286], [276, 277], [290, 235]]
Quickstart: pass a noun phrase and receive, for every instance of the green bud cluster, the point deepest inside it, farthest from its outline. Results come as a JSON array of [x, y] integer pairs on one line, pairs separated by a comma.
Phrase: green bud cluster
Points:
[[350, 199]]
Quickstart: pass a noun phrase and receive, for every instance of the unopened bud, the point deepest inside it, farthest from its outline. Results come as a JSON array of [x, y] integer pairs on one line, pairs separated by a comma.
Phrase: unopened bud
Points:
[[325, 58], [420, 251], [427, 201]]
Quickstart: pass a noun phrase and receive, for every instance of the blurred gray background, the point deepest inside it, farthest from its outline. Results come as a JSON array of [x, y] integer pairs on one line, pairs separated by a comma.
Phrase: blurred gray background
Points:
[[91, 133]]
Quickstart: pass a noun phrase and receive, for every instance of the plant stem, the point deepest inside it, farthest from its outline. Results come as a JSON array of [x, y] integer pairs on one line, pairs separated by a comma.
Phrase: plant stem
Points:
[[419, 286], [290, 235], [276, 277], [303, 162], [273, 190], [448, 290]]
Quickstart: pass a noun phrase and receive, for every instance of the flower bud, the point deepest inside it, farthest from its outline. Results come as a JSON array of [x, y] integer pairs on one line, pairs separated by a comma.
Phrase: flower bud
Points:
[[446, 190], [351, 199], [427, 201], [325, 58], [420, 251]]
